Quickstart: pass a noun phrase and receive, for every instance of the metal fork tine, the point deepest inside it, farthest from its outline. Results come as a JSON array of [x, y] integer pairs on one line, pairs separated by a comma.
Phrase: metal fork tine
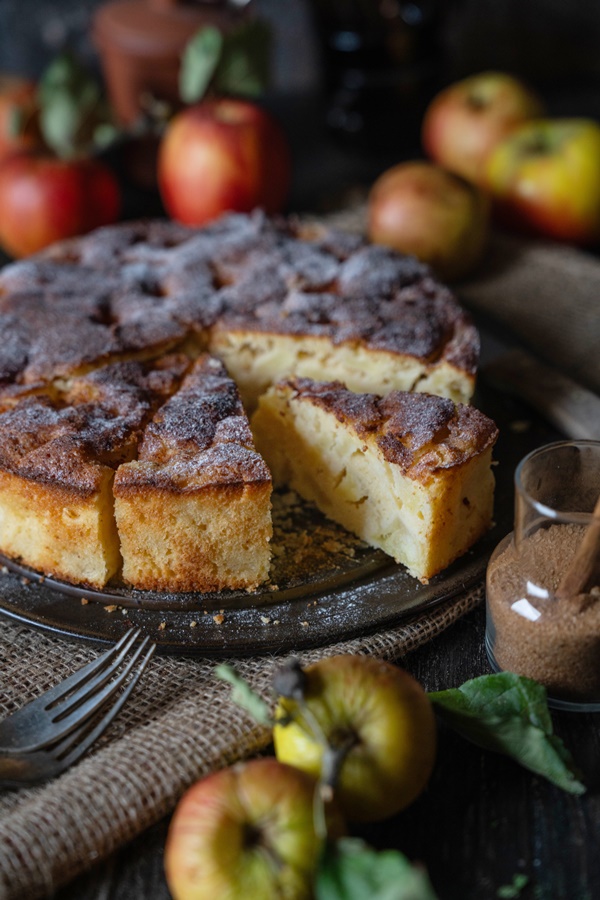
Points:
[[82, 676], [94, 699], [67, 704], [32, 726], [73, 747]]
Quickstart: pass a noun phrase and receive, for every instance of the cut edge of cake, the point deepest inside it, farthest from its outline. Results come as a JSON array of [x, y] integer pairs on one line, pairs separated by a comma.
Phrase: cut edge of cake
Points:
[[412, 477]]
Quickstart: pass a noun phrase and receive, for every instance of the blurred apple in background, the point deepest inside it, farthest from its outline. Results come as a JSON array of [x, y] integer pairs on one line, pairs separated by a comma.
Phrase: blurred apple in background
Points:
[[466, 120], [19, 127], [246, 832], [545, 179], [222, 155], [421, 209], [54, 185], [44, 199]]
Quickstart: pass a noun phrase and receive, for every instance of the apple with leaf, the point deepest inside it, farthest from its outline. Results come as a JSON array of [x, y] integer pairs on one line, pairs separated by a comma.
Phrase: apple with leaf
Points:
[[223, 151], [56, 187]]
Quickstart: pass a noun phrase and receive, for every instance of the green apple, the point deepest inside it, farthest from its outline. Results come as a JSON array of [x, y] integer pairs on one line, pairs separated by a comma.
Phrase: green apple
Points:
[[545, 179], [467, 119], [246, 832], [423, 210], [381, 720]]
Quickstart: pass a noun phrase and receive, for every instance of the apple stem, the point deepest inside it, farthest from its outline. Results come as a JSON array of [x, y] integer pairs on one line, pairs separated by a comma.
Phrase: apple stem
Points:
[[333, 760]]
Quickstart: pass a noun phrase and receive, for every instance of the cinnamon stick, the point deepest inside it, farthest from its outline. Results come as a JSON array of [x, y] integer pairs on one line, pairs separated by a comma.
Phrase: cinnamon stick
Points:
[[584, 572]]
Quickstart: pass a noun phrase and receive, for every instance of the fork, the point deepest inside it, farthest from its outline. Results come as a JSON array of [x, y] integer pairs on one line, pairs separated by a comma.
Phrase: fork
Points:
[[52, 732]]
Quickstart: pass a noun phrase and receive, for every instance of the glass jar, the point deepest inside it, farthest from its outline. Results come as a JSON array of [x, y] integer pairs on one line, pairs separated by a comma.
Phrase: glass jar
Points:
[[539, 624]]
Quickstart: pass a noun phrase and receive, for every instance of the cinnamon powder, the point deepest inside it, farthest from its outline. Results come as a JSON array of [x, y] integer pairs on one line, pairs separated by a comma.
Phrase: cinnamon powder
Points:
[[555, 642]]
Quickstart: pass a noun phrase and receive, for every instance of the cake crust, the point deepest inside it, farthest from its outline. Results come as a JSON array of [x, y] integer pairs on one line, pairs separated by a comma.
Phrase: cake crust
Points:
[[138, 290]]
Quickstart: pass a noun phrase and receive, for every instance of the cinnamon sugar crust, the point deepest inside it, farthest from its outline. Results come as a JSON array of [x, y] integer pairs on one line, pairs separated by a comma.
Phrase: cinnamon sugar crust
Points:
[[142, 288], [419, 433]]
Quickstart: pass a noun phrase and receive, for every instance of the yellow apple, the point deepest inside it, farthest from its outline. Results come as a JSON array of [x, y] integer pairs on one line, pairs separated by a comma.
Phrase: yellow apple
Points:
[[466, 120], [381, 717], [421, 209], [248, 832], [545, 179]]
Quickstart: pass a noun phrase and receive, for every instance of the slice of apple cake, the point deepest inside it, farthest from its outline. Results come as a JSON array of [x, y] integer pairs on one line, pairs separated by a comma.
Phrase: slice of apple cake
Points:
[[409, 473], [193, 510]]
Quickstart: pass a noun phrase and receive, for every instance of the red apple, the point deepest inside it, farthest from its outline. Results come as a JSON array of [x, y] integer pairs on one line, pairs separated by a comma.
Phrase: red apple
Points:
[[545, 179], [466, 120], [380, 717], [246, 831], [19, 126], [222, 155], [44, 199], [423, 210]]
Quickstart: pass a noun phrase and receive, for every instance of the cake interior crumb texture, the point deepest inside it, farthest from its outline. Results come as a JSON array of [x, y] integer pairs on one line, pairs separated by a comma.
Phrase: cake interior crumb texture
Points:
[[410, 474]]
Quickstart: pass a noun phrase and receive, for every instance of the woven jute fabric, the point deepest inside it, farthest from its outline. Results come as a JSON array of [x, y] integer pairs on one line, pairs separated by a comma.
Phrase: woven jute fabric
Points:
[[179, 725]]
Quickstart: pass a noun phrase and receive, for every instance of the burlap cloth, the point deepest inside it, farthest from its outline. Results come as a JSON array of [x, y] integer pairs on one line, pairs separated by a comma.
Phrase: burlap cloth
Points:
[[180, 723]]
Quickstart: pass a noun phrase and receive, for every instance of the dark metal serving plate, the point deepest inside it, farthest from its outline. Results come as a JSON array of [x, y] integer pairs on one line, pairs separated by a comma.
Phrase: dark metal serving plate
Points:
[[358, 592]]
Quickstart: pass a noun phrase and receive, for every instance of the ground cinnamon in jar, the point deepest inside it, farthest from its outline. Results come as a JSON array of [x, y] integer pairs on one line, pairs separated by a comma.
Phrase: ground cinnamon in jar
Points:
[[531, 631]]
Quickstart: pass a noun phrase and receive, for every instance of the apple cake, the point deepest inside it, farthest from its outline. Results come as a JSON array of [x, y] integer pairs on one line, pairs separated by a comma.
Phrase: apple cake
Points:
[[409, 473], [93, 488]]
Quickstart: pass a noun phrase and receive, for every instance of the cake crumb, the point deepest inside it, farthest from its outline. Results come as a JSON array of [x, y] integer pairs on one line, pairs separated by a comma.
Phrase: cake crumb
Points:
[[218, 620], [193, 623], [162, 626], [304, 624], [25, 580], [265, 620], [84, 601], [111, 608]]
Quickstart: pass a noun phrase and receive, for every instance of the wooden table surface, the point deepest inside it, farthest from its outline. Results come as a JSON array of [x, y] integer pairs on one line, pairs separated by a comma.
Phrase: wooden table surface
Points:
[[481, 821]]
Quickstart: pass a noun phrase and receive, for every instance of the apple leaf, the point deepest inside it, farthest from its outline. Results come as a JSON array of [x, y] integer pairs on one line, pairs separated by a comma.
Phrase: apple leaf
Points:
[[199, 63], [509, 714], [71, 107], [244, 695], [351, 870], [243, 69], [513, 890], [235, 63]]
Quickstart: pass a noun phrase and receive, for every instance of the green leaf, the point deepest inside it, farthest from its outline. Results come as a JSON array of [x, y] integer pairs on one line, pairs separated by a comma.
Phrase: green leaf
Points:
[[351, 870], [244, 695], [513, 890], [199, 62], [509, 714], [244, 66], [71, 107]]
